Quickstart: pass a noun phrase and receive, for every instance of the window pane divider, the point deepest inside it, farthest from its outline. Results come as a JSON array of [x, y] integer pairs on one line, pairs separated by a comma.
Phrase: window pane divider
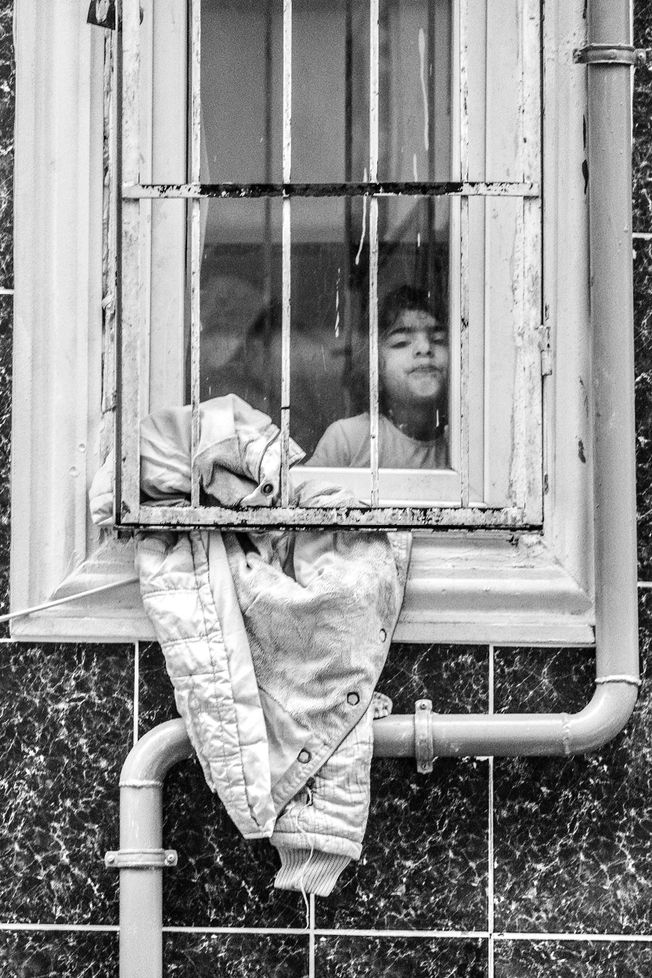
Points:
[[366, 188]]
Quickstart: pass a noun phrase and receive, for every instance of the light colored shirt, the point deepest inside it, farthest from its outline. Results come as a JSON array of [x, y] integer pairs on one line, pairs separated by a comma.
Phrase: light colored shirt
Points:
[[345, 444]]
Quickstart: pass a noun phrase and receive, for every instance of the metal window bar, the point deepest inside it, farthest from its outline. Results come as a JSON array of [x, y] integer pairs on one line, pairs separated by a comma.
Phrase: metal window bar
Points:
[[429, 68], [346, 277], [195, 242], [127, 493], [267, 234], [286, 267], [374, 59], [463, 14], [129, 510]]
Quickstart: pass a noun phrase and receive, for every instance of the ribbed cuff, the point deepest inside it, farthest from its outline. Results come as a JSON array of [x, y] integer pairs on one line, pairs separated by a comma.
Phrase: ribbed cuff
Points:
[[316, 874]]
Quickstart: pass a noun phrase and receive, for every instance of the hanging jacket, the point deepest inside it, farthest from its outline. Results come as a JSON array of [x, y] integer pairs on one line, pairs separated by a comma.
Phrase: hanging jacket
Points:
[[274, 641]]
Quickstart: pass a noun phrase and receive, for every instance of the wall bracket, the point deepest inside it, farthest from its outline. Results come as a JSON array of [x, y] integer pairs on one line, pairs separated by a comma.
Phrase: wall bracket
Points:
[[141, 859], [423, 742], [621, 54]]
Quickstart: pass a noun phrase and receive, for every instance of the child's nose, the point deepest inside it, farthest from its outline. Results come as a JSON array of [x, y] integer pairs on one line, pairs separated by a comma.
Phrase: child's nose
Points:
[[422, 343]]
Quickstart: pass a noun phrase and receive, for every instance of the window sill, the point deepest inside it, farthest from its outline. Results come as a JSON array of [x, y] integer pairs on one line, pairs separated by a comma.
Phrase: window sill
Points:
[[462, 588]]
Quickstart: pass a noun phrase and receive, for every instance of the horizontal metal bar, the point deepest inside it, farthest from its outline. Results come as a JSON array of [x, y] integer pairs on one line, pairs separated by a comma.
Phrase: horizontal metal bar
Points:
[[140, 191], [384, 517]]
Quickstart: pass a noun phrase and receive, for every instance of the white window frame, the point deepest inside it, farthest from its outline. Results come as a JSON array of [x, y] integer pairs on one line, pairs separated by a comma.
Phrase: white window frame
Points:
[[508, 587], [498, 272]]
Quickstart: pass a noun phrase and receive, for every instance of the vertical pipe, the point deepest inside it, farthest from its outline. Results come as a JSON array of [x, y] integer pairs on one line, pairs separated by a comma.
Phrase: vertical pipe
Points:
[[195, 241], [610, 222], [141, 890], [141, 800]]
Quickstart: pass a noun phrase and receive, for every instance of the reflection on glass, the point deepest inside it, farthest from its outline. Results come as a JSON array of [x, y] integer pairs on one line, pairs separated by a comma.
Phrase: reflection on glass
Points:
[[240, 303], [415, 90]]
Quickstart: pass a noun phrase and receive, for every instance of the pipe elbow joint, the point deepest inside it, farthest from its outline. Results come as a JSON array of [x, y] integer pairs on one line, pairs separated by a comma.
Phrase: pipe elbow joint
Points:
[[602, 718], [150, 759]]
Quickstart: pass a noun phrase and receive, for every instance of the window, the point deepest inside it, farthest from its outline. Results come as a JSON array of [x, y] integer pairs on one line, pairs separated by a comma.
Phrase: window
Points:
[[341, 155], [515, 564]]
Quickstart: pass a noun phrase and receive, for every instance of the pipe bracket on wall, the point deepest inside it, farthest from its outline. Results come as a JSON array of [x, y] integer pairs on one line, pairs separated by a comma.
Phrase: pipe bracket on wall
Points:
[[141, 859], [619, 54], [423, 741]]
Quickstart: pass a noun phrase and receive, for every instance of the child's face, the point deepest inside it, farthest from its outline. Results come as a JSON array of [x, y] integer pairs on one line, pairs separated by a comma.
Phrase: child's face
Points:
[[414, 360]]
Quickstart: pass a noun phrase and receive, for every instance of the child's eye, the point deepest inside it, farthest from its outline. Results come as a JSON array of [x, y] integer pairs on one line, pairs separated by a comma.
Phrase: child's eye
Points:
[[396, 340], [440, 338]]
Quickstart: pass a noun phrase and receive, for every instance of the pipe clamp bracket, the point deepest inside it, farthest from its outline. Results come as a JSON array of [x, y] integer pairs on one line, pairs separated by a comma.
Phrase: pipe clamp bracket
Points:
[[141, 859], [616, 54], [423, 742]]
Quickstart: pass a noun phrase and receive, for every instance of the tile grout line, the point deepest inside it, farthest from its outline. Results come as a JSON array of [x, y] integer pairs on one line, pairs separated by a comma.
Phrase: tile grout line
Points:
[[500, 936], [490, 846]]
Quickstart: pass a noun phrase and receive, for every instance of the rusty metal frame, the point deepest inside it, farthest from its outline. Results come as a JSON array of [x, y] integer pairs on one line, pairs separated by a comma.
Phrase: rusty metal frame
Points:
[[368, 188], [380, 517]]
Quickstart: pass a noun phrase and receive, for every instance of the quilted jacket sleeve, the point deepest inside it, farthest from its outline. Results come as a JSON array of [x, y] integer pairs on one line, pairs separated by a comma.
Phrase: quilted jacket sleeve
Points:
[[321, 829], [207, 656]]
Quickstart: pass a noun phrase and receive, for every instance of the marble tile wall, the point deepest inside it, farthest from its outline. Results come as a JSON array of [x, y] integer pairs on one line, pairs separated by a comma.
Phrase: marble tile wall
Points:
[[513, 868]]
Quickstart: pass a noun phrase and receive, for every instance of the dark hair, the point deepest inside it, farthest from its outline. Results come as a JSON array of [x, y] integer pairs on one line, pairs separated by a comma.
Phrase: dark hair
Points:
[[404, 299]]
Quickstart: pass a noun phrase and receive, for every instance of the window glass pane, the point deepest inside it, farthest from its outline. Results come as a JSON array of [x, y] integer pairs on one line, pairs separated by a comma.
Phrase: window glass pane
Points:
[[241, 85], [330, 90], [329, 325], [330, 268], [241, 303], [413, 327]]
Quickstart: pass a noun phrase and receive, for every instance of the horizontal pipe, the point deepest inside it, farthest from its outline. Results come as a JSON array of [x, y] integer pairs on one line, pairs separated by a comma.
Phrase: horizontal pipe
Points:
[[513, 734], [453, 735]]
